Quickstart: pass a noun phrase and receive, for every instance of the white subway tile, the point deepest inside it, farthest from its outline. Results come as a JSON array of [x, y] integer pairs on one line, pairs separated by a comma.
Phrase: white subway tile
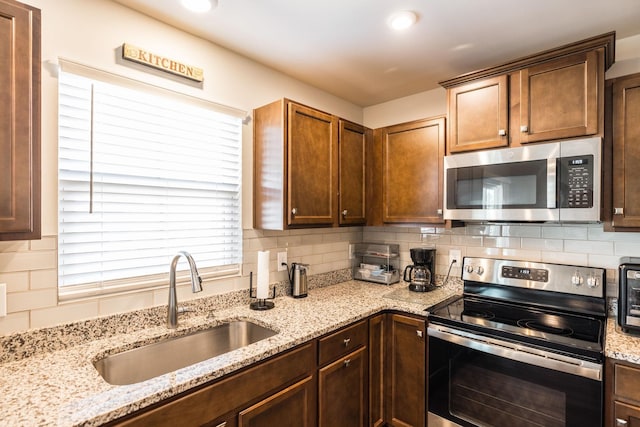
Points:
[[521, 231], [554, 245], [14, 246], [556, 231], [565, 258], [25, 261], [589, 247], [16, 282], [124, 303], [467, 240], [65, 313], [14, 322], [502, 242], [49, 243], [21, 301], [521, 254], [604, 261], [627, 248], [43, 279]]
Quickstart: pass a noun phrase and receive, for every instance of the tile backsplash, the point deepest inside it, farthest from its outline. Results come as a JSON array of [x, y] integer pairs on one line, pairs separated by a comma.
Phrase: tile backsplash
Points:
[[29, 268]]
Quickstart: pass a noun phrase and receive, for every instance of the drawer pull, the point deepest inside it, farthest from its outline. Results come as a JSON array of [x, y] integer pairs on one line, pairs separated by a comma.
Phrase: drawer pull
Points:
[[502, 132], [524, 128], [222, 424], [346, 342], [620, 422], [347, 362]]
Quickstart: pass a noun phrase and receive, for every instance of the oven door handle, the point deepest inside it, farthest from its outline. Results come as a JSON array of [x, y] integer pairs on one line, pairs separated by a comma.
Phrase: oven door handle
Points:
[[518, 352]]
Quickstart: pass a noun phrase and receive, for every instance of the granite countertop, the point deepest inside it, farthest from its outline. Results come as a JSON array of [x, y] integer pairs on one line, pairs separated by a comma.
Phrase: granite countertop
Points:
[[621, 345], [49, 386]]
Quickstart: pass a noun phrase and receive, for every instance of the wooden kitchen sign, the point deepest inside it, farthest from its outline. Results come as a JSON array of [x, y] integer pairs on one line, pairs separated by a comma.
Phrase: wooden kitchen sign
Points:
[[141, 56]]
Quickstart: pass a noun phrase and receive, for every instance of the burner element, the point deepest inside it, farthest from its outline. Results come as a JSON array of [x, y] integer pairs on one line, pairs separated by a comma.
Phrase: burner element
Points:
[[536, 325], [479, 314]]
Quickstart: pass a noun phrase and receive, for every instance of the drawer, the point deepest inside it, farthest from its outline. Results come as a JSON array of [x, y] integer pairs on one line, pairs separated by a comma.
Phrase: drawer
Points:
[[627, 382], [342, 342]]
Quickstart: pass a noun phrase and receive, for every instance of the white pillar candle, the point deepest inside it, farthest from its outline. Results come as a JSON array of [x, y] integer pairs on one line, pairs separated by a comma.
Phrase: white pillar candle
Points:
[[262, 291]]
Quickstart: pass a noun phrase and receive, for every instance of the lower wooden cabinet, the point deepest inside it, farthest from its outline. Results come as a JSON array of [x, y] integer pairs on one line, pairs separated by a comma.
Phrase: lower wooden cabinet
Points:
[[291, 407], [622, 401], [369, 373], [406, 372], [342, 392]]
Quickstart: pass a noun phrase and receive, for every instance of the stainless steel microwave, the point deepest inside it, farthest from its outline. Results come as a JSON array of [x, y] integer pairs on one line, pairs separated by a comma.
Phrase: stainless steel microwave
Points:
[[556, 182]]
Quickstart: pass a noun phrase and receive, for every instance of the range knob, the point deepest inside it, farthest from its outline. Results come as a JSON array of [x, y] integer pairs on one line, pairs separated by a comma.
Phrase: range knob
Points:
[[469, 268], [576, 279], [479, 270], [593, 282]]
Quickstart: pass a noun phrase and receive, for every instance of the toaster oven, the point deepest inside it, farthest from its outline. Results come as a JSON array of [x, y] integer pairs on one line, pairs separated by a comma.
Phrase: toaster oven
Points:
[[629, 294]]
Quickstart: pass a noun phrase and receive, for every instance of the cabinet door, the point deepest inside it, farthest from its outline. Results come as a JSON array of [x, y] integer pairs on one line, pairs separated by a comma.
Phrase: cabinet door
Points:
[[292, 407], [312, 141], [406, 370], [626, 415], [377, 330], [19, 121], [412, 157], [559, 99], [478, 115], [342, 400], [626, 152], [353, 141]]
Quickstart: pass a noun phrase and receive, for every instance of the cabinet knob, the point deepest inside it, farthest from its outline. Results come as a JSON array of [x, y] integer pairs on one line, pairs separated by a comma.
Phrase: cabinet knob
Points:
[[621, 423], [618, 211], [502, 132], [346, 341], [344, 212], [419, 333], [524, 128], [439, 211], [294, 211], [347, 362]]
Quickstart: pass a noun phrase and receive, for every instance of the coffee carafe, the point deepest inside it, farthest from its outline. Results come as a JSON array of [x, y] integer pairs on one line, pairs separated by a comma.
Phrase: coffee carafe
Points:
[[420, 274]]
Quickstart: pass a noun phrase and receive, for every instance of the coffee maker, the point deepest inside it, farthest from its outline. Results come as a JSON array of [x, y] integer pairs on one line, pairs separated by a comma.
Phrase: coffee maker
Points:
[[421, 275]]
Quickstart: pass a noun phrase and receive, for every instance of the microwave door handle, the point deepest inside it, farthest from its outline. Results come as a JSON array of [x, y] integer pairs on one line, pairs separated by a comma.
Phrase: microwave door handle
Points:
[[552, 183]]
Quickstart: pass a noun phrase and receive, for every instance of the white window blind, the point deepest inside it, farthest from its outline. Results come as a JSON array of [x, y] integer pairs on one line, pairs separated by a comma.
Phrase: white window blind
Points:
[[141, 177]]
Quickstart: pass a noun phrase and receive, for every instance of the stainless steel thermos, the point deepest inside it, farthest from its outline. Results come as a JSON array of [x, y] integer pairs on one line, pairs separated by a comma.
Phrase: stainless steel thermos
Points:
[[298, 279]]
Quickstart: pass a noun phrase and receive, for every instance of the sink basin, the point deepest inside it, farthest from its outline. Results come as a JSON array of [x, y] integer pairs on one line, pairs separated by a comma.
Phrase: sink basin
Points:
[[152, 360]]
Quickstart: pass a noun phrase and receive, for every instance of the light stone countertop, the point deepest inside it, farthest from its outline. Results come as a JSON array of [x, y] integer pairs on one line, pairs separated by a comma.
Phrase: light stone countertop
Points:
[[62, 388], [620, 345]]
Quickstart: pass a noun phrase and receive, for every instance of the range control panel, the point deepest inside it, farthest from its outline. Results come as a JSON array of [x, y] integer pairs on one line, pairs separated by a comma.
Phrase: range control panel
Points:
[[534, 274]]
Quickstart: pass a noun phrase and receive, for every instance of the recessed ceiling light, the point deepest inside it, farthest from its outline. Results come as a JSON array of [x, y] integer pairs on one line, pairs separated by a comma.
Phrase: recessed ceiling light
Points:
[[199, 6], [402, 20]]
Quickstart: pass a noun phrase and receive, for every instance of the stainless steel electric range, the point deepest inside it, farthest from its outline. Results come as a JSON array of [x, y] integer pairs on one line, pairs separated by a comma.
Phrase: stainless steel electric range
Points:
[[523, 346]]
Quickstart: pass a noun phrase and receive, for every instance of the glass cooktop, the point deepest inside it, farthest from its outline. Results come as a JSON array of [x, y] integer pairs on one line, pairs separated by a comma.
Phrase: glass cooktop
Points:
[[544, 328]]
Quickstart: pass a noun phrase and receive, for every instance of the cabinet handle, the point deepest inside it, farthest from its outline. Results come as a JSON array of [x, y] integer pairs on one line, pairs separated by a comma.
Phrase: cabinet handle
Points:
[[524, 128], [346, 341], [294, 211], [419, 333], [620, 422], [347, 362], [502, 132], [618, 211], [222, 424], [344, 213]]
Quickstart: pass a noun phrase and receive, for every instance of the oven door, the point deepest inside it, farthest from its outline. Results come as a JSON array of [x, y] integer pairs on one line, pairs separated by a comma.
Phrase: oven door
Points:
[[481, 381], [513, 184]]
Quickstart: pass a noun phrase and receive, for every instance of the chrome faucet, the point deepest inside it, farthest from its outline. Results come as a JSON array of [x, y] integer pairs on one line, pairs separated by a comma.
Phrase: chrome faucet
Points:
[[196, 286]]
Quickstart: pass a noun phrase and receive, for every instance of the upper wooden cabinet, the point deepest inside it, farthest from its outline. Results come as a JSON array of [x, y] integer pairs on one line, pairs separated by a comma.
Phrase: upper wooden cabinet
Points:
[[295, 166], [19, 121], [625, 179], [411, 168], [309, 168], [478, 115], [552, 95], [352, 141]]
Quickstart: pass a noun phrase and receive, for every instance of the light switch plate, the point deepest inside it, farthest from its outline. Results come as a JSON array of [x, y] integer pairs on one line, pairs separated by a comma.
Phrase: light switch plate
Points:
[[3, 299]]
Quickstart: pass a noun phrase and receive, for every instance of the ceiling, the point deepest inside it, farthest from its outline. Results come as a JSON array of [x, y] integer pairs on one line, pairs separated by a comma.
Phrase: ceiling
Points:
[[345, 47]]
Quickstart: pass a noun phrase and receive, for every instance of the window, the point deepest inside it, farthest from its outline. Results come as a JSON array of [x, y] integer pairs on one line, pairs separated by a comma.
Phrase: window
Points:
[[142, 176]]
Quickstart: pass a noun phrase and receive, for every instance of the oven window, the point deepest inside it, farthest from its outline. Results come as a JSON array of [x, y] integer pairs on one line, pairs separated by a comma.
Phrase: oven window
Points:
[[503, 186], [482, 395]]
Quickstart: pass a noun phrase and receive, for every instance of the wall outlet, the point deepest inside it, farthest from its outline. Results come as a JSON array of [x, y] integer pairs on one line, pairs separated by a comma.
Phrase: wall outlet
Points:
[[282, 261], [455, 255]]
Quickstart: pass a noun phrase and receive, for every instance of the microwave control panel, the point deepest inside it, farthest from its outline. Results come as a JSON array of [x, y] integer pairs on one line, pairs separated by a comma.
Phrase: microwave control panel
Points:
[[576, 182]]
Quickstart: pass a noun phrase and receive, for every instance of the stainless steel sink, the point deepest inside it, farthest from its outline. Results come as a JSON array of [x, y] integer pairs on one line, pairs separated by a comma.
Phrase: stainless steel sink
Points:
[[152, 360]]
